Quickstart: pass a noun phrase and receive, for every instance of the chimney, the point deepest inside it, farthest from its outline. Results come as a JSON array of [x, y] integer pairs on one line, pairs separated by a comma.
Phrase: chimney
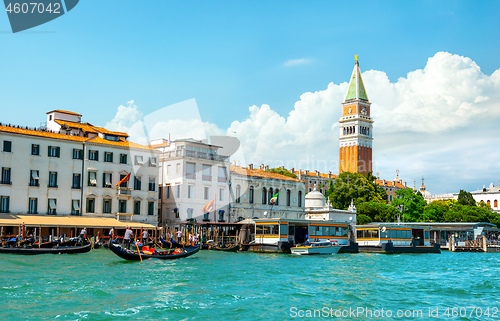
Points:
[[283, 167], [330, 174], [405, 184], [250, 166], [266, 167], [292, 170], [317, 173], [306, 172]]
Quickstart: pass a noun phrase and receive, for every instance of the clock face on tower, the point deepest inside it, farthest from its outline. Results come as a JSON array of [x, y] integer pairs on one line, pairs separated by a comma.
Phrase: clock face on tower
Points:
[[350, 110], [363, 111]]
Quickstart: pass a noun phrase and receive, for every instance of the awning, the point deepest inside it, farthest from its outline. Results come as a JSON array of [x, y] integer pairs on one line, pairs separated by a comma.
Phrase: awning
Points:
[[68, 221]]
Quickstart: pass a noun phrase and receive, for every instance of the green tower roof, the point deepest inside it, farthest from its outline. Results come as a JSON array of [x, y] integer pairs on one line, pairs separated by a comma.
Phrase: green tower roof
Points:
[[356, 88]]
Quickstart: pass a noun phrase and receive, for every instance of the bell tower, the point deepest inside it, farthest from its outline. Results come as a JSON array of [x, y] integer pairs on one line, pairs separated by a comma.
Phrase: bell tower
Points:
[[356, 127]]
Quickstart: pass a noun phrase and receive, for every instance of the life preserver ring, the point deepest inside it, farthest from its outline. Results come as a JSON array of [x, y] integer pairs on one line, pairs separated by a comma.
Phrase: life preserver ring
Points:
[[177, 251]]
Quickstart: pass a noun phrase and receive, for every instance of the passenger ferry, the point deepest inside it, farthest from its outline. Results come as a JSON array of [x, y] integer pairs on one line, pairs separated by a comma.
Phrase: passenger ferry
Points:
[[281, 234], [324, 247], [395, 238]]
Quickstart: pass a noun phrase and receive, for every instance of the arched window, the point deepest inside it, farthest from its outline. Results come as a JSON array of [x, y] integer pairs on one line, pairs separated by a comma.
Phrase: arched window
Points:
[[238, 193], [495, 203], [299, 199], [288, 194], [488, 202], [264, 195], [368, 131], [270, 195], [250, 195], [344, 130]]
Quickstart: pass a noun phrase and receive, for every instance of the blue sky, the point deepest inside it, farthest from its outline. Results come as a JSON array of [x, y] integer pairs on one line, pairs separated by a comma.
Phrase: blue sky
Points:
[[230, 55]]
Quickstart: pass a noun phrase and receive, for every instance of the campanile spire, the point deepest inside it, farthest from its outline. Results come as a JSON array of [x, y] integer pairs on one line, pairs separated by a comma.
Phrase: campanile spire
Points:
[[356, 127]]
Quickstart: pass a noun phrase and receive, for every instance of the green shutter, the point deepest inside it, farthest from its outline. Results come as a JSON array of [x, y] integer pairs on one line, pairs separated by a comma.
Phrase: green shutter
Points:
[[48, 152], [111, 157], [97, 155], [55, 179], [8, 205], [58, 151]]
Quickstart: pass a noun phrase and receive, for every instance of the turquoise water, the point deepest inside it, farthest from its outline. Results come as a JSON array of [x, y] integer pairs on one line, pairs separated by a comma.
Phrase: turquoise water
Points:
[[246, 286]]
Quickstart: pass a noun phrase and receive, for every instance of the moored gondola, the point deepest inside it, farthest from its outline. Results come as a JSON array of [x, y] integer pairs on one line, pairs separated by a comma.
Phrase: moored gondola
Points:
[[41, 250], [163, 255], [225, 248]]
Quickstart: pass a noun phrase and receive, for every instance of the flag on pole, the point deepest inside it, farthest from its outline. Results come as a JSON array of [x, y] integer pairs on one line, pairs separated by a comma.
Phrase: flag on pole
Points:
[[208, 207], [123, 180], [274, 199]]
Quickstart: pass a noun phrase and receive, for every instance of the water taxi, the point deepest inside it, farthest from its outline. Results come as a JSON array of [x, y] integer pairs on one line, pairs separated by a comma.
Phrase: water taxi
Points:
[[395, 238], [324, 247], [281, 234]]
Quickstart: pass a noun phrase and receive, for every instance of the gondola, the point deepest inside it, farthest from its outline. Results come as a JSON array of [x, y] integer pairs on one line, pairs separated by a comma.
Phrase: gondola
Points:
[[41, 250], [171, 244], [163, 255], [226, 248]]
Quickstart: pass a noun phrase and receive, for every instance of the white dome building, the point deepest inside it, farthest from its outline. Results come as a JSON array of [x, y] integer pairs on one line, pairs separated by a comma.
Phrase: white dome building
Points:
[[318, 208]]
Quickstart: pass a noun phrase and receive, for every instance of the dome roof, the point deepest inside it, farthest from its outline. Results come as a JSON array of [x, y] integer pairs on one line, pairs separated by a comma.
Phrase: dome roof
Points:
[[315, 199]]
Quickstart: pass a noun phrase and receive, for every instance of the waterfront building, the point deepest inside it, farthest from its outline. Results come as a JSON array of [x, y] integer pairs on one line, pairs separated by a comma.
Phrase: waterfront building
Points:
[[315, 178], [391, 187], [356, 127], [71, 168], [319, 208], [490, 196], [254, 188], [192, 173]]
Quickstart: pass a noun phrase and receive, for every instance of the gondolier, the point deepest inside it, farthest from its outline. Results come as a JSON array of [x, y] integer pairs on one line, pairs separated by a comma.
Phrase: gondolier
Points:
[[127, 237], [144, 236]]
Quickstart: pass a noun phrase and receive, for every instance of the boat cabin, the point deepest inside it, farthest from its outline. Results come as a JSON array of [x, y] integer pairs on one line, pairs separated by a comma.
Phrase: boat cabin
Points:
[[375, 234], [296, 231]]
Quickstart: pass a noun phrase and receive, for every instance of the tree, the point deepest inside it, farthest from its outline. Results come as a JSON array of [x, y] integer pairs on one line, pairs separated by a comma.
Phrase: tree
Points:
[[465, 198], [281, 171], [355, 187], [411, 204], [377, 212], [435, 211], [363, 219]]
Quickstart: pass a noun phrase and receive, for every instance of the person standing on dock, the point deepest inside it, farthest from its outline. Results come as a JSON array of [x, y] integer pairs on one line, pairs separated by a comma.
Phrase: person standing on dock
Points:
[[127, 237]]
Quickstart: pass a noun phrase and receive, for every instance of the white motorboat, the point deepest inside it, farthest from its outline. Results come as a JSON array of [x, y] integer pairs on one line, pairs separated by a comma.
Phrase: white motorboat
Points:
[[323, 247]]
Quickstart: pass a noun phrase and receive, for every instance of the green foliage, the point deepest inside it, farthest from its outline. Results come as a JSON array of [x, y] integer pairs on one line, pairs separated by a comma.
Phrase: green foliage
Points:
[[377, 212], [465, 198], [363, 219], [357, 187], [411, 204], [281, 171], [435, 211]]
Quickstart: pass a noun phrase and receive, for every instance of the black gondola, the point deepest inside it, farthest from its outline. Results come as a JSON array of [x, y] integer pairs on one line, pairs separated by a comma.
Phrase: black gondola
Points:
[[226, 248], [163, 255], [41, 250], [172, 244]]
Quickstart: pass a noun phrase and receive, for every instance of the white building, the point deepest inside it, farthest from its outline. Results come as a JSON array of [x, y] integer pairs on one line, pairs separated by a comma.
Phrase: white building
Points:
[[490, 196], [71, 168], [254, 188], [192, 173], [318, 208]]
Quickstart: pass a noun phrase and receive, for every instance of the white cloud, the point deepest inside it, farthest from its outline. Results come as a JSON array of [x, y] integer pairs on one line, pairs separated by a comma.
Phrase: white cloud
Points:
[[125, 117], [296, 62], [440, 122], [437, 122]]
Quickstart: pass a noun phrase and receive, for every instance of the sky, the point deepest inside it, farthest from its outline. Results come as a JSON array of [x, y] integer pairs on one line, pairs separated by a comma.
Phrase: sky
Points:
[[274, 75]]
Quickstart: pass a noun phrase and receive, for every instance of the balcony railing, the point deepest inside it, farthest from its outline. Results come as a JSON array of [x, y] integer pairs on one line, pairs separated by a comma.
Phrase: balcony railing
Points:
[[190, 175], [191, 153], [124, 191], [222, 180], [207, 178]]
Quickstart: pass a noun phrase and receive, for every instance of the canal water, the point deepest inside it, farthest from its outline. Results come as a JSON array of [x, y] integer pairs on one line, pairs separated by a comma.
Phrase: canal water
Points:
[[247, 286]]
